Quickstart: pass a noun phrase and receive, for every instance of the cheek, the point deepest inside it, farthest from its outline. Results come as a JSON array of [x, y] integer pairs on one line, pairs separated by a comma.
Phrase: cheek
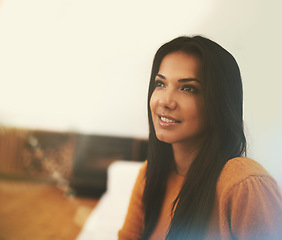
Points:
[[201, 111], [153, 103], [195, 110], [153, 108]]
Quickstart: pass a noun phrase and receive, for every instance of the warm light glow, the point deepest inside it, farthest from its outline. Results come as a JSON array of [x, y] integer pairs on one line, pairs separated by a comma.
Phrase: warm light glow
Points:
[[84, 65]]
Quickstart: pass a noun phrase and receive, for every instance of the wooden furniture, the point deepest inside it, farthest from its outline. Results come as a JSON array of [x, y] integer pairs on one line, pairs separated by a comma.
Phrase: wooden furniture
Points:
[[44, 174], [40, 211], [81, 160]]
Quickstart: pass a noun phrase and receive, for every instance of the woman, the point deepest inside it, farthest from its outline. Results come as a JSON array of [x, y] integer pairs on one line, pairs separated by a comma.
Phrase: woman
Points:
[[196, 184]]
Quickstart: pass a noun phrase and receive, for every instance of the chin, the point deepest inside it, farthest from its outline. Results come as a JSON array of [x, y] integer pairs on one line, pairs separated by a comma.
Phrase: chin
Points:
[[166, 139], [174, 138]]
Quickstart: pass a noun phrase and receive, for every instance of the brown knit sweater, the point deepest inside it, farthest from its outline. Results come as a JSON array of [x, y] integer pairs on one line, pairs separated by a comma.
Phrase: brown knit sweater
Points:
[[248, 205]]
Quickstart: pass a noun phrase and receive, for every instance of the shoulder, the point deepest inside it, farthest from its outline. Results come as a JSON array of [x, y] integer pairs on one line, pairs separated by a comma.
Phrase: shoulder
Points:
[[141, 179], [143, 168], [245, 167], [134, 221], [249, 200], [142, 172], [241, 169]]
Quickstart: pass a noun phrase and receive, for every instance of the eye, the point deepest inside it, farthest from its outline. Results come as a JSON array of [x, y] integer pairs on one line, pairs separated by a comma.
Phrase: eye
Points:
[[190, 89], [159, 83]]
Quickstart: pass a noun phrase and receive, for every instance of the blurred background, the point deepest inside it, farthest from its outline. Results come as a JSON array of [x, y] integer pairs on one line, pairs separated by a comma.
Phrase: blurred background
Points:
[[84, 65], [80, 69]]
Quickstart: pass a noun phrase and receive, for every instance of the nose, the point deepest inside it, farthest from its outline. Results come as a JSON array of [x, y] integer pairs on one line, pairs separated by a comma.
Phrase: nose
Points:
[[167, 100]]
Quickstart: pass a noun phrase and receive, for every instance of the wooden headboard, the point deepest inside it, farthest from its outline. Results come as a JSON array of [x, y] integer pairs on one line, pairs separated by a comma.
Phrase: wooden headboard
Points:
[[79, 160]]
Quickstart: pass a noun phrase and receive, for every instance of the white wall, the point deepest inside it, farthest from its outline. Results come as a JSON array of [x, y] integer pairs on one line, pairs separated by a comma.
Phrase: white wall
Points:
[[84, 65]]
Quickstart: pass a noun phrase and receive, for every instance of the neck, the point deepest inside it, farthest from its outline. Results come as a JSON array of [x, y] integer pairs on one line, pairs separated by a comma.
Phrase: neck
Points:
[[184, 155]]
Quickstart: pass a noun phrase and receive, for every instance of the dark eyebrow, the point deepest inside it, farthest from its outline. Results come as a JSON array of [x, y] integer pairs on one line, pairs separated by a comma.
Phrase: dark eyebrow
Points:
[[182, 79]]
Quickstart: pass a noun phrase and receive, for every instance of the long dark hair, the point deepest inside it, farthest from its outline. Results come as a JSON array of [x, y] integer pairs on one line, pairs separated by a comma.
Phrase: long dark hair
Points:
[[222, 90]]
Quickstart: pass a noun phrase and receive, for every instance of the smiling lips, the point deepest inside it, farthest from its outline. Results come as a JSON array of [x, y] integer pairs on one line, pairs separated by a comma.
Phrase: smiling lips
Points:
[[167, 121]]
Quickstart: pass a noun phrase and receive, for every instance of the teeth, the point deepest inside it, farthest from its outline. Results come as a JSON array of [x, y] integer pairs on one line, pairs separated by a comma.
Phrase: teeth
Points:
[[167, 120]]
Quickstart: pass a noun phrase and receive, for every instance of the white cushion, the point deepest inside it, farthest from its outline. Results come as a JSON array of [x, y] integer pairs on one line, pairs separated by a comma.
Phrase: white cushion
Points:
[[108, 216]]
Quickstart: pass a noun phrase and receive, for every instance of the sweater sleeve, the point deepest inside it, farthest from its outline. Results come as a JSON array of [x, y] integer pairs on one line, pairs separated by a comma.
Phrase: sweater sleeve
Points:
[[255, 209], [134, 222]]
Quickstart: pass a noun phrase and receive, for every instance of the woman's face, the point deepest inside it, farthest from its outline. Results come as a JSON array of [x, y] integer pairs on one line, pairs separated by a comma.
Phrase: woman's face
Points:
[[177, 103]]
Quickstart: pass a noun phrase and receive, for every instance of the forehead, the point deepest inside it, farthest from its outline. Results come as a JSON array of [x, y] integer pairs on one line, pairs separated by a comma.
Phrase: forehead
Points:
[[180, 63]]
